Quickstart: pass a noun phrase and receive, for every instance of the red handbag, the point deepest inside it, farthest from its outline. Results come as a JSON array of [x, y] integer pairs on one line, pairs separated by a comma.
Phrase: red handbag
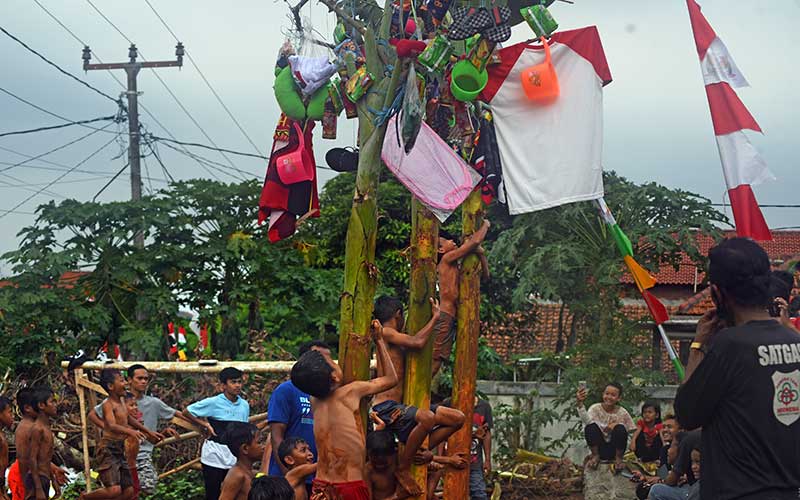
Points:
[[296, 166]]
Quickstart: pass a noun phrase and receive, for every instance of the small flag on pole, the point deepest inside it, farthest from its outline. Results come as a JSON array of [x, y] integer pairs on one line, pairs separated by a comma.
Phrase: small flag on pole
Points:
[[742, 165]]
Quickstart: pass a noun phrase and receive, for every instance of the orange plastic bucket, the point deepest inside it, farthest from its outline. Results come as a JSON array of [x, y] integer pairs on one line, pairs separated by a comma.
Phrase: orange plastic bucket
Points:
[[540, 82]]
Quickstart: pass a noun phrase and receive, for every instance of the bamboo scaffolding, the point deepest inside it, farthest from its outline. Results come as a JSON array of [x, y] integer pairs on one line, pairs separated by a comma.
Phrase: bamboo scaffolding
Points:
[[188, 465]]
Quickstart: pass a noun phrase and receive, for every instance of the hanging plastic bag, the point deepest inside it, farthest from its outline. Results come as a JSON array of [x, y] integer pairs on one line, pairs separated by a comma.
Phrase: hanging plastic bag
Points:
[[412, 110], [311, 66]]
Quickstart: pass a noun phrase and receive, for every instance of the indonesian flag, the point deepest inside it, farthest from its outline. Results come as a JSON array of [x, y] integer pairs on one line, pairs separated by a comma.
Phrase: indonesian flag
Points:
[[741, 163]]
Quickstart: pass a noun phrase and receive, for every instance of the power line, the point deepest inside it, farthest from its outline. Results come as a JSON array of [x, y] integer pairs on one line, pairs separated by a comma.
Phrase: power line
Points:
[[56, 66], [39, 184], [100, 173], [109, 182], [61, 147], [215, 148], [17, 179], [54, 127], [158, 158], [38, 192], [208, 84], [205, 163], [158, 77], [43, 110], [144, 108]]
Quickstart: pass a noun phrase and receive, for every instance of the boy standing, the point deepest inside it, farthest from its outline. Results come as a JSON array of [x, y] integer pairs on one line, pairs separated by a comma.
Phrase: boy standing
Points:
[[6, 421], [607, 426], [338, 429], [449, 272], [118, 425], [295, 454], [243, 442], [132, 444], [220, 411], [152, 411], [35, 452]]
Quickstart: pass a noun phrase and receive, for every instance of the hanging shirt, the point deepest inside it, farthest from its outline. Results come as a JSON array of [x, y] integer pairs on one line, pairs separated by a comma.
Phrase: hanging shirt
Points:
[[291, 406], [745, 394], [219, 410], [551, 154]]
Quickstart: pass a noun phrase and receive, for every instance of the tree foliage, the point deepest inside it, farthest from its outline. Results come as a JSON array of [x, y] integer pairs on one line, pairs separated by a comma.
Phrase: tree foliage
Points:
[[204, 252]]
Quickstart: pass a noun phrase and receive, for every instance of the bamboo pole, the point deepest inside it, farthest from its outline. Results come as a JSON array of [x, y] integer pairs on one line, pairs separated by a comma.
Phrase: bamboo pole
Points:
[[417, 383], [192, 366], [360, 272], [465, 371], [260, 417], [180, 468], [87, 471]]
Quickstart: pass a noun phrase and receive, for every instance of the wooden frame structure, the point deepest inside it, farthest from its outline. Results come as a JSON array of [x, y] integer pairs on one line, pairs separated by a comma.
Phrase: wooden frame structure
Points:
[[88, 390]]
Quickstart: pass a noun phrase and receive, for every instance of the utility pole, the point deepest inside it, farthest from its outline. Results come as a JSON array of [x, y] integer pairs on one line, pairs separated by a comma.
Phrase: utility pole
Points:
[[132, 69]]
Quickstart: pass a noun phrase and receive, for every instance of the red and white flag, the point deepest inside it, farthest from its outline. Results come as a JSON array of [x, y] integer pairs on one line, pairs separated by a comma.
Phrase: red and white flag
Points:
[[742, 165]]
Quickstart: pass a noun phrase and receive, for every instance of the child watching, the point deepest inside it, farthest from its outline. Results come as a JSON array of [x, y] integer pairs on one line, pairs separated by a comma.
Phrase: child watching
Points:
[[295, 454], [6, 421], [242, 439], [646, 441], [409, 424], [338, 429], [220, 411], [35, 458], [118, 425], [449, 273], [132, 444], [607, 426], [270, 488], [694, 491]]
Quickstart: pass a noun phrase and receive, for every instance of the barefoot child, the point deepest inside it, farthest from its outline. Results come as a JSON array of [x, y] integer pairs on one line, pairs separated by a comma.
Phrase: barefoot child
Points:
[[37, 452], [118, 425], [295, 454], [382, 463], [410, 424], [338, 429], [242, 439], [6, 421], [449, 272], [607, 425], [132, 444]]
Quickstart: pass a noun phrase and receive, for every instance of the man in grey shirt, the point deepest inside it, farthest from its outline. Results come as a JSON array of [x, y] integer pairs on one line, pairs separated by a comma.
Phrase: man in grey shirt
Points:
[[153, 410]]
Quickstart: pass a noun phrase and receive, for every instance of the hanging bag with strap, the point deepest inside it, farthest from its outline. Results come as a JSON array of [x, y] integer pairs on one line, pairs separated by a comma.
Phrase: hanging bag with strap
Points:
[[295, 166]]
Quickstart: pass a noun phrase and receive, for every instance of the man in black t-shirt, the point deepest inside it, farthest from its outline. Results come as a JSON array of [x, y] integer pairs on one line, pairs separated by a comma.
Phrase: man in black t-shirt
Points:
[[743, 384]]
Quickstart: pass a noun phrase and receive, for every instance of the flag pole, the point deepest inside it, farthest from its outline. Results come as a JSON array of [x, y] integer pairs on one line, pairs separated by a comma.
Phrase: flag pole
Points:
[[673, 356]]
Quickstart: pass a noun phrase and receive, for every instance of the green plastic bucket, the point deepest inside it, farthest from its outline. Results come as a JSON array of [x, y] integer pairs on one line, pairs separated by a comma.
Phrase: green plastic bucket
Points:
[[466, 82]]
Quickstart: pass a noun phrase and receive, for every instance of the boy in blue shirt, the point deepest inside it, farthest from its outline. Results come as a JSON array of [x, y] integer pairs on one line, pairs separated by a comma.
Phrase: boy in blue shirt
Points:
[[289, 413], [218, 411]]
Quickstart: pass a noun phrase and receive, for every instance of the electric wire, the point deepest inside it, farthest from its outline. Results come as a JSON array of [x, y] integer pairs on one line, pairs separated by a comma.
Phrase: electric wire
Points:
[[94, 198], [40, 191], [205, 80], [122, 85], [158, 158], [166, 87], [39, 184], [58, 148], [209, 164], [99, 173], [56, 66], [32, 190], [44, 110], [54, 127], [215, 148]]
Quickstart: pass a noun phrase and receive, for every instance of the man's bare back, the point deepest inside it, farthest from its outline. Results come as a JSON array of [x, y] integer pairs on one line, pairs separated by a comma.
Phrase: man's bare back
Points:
[[449, 267]]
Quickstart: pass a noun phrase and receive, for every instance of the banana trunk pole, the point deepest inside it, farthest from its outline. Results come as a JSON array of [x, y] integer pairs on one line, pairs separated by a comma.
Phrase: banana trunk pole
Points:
[[465, 371], [417, 383]]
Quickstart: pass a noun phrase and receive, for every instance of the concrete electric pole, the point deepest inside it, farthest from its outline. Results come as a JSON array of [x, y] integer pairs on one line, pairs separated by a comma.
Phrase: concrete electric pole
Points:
[[132, 69]]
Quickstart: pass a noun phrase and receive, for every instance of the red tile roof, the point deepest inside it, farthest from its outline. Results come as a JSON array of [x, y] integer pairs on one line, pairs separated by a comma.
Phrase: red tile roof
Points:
[[67, 280], [785, 246]]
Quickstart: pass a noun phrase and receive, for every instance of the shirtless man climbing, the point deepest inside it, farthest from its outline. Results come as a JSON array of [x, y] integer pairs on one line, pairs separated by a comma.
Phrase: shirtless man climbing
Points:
[[338, 428], [449, 271]]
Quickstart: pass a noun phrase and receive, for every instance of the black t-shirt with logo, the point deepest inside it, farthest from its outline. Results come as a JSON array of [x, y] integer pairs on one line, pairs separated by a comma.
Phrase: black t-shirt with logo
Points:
[[745, 394]]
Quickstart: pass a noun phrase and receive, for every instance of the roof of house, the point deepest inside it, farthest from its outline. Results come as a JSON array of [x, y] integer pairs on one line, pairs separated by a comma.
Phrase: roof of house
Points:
[[67, 280], [785, 246]]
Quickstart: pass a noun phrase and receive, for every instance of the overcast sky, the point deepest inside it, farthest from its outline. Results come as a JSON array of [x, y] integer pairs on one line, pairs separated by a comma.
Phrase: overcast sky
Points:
[[657, 123]]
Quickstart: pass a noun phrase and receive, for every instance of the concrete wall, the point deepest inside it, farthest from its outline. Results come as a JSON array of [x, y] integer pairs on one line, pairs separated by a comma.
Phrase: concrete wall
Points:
[[537, 395]]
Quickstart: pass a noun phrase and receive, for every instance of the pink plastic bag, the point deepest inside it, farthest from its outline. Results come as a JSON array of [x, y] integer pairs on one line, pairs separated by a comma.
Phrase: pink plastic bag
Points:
[[432, 171]]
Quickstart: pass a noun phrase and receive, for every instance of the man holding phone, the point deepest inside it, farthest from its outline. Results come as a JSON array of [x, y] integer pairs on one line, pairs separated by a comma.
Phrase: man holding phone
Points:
[[742, 383]]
